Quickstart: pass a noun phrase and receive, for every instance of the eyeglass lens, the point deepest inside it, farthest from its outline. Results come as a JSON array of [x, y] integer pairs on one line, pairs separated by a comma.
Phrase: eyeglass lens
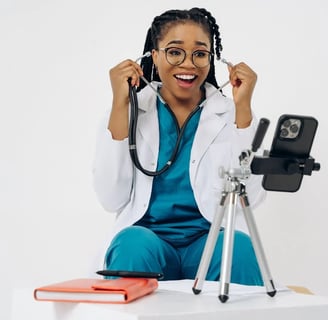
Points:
[[176, 56]]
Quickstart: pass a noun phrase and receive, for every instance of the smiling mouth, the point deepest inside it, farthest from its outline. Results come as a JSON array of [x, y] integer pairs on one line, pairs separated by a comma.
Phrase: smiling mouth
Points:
[[189, 78]]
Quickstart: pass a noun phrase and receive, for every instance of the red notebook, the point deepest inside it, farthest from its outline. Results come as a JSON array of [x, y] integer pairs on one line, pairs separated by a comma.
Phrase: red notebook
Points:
[[121, 290]]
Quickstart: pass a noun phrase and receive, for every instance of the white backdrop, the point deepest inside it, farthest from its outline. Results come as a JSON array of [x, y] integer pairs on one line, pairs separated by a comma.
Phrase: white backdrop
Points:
[[54, 88]]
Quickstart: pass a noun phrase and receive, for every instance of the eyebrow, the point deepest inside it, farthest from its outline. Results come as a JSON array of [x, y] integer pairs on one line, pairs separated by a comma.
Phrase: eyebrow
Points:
[[198, 43]]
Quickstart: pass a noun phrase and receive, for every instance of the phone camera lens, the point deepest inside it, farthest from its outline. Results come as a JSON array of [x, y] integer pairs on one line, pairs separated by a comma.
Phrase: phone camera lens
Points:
[[286, 123], [294, 128], [284, 133]]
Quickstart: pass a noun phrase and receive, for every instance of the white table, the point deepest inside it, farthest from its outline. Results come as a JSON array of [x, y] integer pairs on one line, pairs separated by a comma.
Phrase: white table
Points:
[[166, 304]]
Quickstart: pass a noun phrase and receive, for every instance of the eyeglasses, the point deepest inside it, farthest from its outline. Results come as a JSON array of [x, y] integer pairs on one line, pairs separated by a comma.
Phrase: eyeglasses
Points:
[[176, 56]]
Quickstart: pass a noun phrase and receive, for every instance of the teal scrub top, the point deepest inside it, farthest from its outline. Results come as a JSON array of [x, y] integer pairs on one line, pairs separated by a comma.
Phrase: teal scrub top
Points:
[[173, 213]]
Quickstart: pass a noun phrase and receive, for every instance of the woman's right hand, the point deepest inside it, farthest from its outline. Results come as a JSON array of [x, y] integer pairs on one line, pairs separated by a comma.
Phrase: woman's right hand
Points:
[[119, 75]]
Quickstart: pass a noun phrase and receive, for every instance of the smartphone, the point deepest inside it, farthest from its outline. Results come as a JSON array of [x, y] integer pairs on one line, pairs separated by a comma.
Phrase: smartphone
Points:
[[293, 139]]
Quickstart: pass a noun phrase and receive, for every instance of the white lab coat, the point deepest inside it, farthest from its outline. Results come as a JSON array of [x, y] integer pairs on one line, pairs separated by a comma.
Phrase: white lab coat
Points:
[[126, 191]]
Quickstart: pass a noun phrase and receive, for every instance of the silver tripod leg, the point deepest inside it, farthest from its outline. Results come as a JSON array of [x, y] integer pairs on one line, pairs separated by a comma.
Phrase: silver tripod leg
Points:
[[259, 252], [227, 249], [209, 246]]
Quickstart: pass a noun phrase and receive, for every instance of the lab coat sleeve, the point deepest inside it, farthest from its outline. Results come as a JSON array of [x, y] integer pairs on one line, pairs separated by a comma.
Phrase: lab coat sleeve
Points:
[[112, 170]]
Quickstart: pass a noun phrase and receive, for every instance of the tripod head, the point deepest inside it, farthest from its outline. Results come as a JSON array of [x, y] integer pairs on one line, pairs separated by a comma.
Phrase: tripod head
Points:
[[246, 157], [283, 165]]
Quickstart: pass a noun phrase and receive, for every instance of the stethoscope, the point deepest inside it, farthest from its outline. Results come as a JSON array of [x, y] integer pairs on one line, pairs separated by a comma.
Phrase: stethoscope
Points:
[[134, 120]]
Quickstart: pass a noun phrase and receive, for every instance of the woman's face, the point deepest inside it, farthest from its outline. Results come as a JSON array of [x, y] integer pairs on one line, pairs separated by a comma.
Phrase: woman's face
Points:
[[183, 81]]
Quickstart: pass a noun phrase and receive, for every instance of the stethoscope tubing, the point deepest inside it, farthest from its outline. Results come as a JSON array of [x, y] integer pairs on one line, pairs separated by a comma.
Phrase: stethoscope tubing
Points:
[[134, 106]]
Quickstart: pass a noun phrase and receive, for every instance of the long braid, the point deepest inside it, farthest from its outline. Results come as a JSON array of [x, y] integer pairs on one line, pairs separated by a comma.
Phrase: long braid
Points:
[[147, 62], [161, 24], [215, 33], [214, 29]]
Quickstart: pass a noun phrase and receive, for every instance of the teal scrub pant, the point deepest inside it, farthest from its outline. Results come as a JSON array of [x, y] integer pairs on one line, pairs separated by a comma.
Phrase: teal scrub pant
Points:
[[137, 248]]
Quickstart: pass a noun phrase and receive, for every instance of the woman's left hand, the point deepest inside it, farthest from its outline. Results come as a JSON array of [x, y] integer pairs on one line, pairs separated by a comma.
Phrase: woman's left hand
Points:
[[243, 80]]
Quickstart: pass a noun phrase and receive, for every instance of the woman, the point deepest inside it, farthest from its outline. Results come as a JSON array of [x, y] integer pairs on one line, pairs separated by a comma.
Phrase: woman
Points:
[[163, 220]]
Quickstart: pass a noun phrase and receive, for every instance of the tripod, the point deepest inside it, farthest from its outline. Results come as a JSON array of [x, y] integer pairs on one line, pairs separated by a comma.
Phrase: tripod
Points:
[[234, 188]]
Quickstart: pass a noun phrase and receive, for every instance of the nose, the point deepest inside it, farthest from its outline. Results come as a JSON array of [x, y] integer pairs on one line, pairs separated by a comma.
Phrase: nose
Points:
[[188, 61]]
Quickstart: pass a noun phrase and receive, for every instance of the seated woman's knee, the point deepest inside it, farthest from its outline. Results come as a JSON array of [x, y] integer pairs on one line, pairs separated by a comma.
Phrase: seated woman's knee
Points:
[[135, 238]]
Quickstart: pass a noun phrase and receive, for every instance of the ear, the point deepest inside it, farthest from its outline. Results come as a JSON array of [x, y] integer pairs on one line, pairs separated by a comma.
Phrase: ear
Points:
[[154, 55]]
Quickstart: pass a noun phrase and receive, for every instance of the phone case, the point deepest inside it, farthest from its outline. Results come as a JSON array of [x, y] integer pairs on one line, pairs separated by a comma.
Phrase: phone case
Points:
[[293, 139]]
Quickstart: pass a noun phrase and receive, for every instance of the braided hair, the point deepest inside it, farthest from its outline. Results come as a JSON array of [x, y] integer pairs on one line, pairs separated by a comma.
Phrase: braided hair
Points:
[[160, 26]]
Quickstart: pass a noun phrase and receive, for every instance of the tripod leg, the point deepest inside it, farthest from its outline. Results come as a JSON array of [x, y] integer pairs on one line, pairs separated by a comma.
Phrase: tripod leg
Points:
[[209, 246], [228, 249], [259, 252]]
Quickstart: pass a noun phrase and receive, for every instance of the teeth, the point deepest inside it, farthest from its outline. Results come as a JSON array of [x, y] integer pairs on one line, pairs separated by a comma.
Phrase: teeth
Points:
[[185, 76]]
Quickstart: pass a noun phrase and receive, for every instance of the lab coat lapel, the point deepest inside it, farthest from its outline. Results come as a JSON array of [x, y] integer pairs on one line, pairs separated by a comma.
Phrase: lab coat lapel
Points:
[[210, 126], [212, 121], [148, 121]]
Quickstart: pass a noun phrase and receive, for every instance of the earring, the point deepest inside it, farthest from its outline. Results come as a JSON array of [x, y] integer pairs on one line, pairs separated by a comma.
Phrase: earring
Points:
[[153, 72]]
